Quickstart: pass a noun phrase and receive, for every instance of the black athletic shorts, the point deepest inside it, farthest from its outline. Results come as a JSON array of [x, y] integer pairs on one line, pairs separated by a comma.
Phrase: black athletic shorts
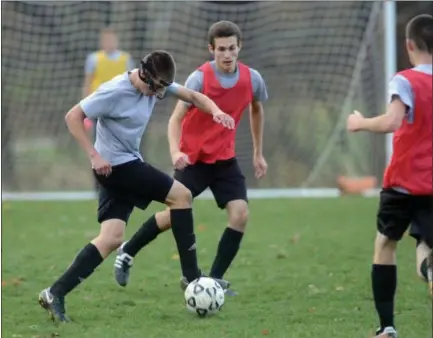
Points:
[[415, 232], [223, 178], [131, 184], [398, 210]]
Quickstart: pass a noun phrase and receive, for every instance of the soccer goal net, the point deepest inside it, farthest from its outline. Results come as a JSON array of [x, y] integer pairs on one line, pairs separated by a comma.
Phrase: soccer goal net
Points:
[[321, 60]]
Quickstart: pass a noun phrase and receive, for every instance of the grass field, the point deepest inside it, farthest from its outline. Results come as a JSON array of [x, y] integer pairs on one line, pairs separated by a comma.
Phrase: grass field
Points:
[[303, 271]]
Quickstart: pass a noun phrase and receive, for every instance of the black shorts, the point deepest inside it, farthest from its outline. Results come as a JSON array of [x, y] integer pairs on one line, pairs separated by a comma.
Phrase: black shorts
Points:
[[223, 178], [131, 184], [398, 210], [415, 232]]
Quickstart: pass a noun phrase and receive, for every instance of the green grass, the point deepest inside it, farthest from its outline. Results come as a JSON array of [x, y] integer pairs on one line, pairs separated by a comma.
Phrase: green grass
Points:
[[303, 271]]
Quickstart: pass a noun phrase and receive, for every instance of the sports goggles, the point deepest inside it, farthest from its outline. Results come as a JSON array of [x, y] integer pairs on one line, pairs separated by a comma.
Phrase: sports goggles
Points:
[[149, 77]]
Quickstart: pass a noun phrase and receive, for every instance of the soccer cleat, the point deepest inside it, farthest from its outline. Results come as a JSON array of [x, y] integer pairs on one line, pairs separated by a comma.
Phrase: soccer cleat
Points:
[[54, 305], [388, 332], [223, 283], [122, 264]]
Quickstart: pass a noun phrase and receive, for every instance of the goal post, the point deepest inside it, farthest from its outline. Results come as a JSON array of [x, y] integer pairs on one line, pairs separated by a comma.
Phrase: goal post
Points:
[[390, 28], [320, 60]]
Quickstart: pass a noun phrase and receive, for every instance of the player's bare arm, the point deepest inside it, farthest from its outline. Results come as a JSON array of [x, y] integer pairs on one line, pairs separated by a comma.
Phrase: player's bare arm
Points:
[[205, 104], [385, 123], [74, 120], [179, 159], [256, 122], [257, 118]]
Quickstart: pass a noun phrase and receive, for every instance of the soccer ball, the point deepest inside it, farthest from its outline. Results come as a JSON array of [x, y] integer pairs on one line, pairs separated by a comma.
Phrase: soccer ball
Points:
[[204, 296]]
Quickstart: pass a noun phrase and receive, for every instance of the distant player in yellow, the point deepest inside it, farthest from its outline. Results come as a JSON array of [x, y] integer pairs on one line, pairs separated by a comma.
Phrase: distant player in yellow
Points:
[[104, 64]]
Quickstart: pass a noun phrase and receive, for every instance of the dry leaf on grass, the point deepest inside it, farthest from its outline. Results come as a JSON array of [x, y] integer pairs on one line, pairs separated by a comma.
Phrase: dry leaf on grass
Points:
[[17, 281], [295, 239]]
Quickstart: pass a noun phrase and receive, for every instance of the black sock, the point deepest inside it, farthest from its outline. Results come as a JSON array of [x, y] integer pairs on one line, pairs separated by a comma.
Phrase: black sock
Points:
[[384, 283], [84, 264], [146, 234], [182, 226], [227, 249], [423, 269]]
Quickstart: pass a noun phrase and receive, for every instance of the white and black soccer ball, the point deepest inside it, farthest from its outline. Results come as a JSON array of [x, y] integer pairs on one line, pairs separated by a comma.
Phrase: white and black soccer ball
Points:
[[204, 296]]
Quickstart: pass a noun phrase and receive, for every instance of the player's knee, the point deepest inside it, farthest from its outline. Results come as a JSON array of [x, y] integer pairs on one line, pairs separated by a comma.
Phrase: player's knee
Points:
[[384, 250], [179, 196], [238, 214], [111, 235], [163, 219], [384, 242]]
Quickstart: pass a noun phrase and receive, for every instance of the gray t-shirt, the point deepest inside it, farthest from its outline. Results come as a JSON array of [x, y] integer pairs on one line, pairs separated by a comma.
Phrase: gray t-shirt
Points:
[[229, 80], [400, 87], [122, 113]]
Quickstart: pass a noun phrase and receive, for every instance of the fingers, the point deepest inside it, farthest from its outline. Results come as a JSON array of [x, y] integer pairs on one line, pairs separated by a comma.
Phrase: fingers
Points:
[[108, 170], [226, 120], [181, 162], [230, 122], [104, 170], [259, 174], [180, 165], [261, 171]]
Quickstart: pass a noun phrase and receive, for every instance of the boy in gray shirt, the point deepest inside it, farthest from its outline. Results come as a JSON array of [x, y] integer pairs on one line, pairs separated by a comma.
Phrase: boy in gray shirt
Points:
[[122, 108]]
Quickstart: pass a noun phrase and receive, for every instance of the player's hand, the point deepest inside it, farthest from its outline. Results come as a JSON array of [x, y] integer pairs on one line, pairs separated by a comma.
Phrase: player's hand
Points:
[[260, 166], [101, 166], [354, 121], [225, 119], [180, 160]]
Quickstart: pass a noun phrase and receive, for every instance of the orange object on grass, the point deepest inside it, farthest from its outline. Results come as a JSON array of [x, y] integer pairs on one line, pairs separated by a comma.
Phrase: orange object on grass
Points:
[[356, 185]]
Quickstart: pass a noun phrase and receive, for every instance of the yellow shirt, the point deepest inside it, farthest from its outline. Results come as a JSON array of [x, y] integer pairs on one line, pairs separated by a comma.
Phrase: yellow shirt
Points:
[[107, 68]]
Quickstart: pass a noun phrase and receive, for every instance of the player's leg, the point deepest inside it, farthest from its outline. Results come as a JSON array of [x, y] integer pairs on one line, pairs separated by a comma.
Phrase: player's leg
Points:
[[229, 189], [422, 251], [152, 184], [423, 216], [422, 255], [113, 214], [393, 219], [195, 178]]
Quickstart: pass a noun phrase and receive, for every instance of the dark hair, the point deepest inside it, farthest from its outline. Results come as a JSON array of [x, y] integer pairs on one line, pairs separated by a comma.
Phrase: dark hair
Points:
[[420, 30], [223, 29], [160, 64]]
